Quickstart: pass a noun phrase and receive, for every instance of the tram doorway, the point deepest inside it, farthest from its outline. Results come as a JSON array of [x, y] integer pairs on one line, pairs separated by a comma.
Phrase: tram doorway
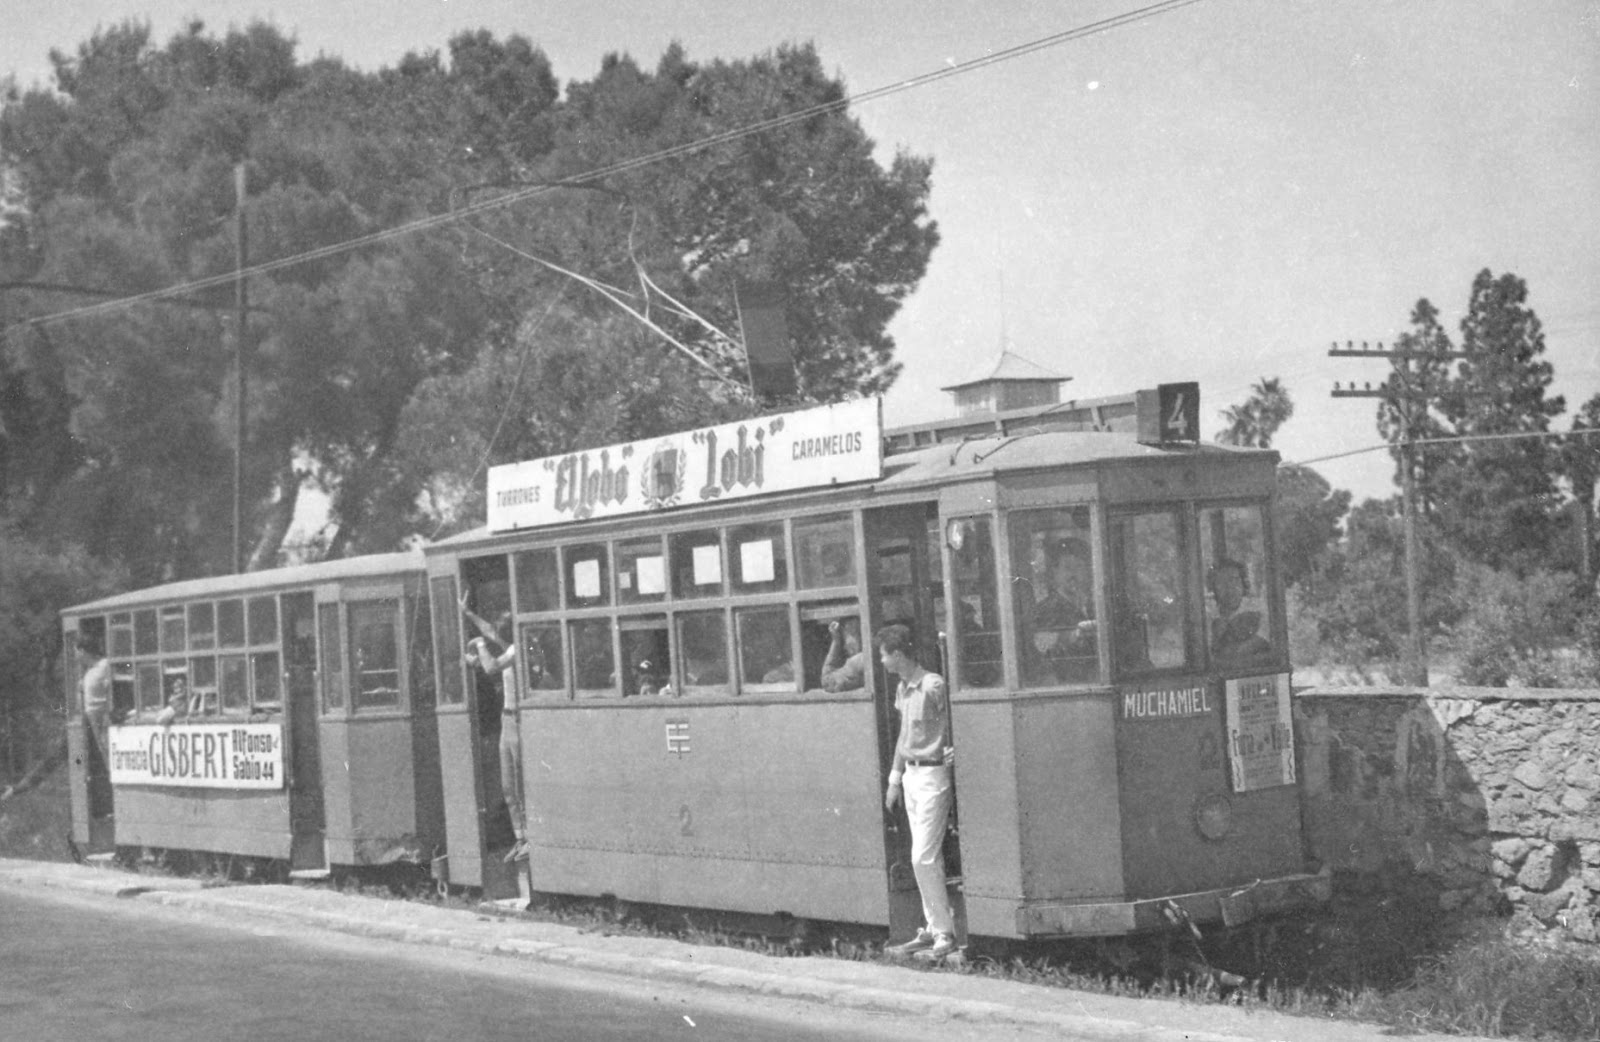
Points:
[[905, 585], [308, 849]]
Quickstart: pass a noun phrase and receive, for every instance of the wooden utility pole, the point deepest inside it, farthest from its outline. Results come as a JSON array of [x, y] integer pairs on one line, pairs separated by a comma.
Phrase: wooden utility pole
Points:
[[1410, 400], [241, 308]]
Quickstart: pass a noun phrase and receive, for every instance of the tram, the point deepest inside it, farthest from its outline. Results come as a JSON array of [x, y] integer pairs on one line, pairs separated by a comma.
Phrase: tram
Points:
[[281, 718], [700, 716], [1098, 587]]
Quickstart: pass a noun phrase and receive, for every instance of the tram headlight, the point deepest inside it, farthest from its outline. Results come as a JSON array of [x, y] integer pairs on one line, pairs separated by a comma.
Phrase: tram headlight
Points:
[[1213, 816]]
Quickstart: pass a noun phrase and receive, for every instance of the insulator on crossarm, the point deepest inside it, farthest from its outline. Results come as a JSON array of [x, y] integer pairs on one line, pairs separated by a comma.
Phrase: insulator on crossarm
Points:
[[1349, 345], [1365, 346], [1369, 386]]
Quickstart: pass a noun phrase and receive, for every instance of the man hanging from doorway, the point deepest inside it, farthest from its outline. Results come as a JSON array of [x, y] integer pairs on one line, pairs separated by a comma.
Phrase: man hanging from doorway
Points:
[[495, 651], [920, 775]]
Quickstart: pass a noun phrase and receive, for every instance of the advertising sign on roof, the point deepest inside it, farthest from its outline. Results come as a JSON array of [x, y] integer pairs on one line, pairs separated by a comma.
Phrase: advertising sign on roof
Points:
[[815, 448]]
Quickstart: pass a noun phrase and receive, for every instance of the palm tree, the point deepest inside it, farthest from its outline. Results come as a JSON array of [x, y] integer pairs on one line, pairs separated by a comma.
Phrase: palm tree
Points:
[[1253, 423]]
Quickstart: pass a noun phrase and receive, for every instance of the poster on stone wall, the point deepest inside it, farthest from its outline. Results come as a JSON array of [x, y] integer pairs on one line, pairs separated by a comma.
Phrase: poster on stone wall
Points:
[[1260, 732]]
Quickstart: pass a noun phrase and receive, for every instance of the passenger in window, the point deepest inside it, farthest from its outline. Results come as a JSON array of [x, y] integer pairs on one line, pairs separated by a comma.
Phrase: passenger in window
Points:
[[1062, 620], [494, 651], [1235, 634], [845, 668], [921, 777], [179, 701]]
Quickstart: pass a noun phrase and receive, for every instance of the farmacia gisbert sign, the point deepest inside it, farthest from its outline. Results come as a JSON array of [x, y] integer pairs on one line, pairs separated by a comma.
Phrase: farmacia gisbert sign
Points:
[[203, 756], [813, 448]]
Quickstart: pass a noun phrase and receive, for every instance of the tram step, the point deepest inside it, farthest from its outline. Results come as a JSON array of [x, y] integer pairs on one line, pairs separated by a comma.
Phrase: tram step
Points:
[[105, 859], [310, 873]]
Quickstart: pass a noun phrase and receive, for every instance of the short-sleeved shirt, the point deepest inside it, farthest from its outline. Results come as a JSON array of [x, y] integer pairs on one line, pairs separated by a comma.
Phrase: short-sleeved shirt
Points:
[[97, 688], [848, 677], [924, 719]]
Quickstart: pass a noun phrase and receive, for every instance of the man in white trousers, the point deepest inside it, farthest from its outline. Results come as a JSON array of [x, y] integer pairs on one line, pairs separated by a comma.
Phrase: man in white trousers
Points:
[[923, 758]]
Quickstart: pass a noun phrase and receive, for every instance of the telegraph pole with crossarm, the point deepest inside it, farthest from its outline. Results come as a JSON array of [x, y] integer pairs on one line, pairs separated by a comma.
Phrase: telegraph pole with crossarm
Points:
[[1409, 395]]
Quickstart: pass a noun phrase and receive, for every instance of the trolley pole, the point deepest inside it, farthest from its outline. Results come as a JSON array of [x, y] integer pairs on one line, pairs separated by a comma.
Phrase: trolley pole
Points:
[[1410, 399], [241, 306]]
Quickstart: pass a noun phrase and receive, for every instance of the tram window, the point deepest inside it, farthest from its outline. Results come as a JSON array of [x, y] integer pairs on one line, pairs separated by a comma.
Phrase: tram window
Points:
[[594, 671], [1150, 610], [541, 657], [447, 639], [703, 643], [420, 676], [121, 635], [175, 692], [268, 682], [538, 581], [172, 629], [1233, 550], [824, 550], [977, 603], [646, 660], [263, 620], [234, 685], [333, 656], [230, 624], [202, 626], [203, 685], [696, 564], [1053, 567], [587, 582], [144, 632], [376, 669], [759, 558], [766, 651], [147, 682], [831, 647], [122, 695], [641, 571]]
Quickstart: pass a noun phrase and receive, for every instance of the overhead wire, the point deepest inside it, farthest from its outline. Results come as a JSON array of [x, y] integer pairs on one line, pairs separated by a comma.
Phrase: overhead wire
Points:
[[627, 165], [1581, 432]]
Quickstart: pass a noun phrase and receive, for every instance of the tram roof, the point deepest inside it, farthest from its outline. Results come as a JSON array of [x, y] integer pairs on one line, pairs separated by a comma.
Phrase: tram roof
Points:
[[366, 567], [973, 459]]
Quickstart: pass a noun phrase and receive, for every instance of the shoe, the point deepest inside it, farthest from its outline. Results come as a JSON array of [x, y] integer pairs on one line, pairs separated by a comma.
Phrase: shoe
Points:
[[943, 944], [519, 851], [923, 941]]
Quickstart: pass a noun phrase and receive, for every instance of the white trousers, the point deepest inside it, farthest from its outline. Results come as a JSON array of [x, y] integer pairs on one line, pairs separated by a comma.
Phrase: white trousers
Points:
[[928, 797]]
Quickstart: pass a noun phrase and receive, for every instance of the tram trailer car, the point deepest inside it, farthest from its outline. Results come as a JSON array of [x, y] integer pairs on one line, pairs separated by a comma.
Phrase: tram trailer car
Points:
[[284, 715], [1125, 758]]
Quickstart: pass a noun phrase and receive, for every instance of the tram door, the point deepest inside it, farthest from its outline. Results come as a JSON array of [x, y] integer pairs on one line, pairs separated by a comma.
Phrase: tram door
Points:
[[308, 851], [905, 584]]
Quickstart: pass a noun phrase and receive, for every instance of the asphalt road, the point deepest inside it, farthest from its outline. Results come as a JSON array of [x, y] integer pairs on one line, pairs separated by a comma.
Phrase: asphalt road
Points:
[[83, 968]]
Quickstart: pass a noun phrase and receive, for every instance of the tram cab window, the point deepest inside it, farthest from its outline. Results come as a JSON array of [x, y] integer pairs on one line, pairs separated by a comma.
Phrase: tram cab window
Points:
[[376, 668], [1149, 596], [594, 671], [703, 645], [825, 553], [646, 658], [766, 651], [147, 683], [1052, 566], [268, 682], [263, 620], [759, 558], [697, 564], [202, 626], [332, 657], [203, 686], [1239, 624], [977, 626], [234, 684], [541, 657], [641, 571], [588, 578], [538, 581], [230, 624], [447, 638]]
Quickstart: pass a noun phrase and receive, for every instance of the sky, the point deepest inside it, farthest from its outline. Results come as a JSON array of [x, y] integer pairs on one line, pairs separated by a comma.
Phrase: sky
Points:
[[1215, 193]]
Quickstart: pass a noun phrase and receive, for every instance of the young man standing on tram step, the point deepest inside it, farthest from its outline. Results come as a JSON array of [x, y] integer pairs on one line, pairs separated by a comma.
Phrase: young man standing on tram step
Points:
[[923, 759], [504, 662]]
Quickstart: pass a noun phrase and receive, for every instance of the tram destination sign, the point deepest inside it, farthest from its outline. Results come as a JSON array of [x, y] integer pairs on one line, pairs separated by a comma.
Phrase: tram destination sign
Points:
[[812, 448], [1260, 732], [198, 756]]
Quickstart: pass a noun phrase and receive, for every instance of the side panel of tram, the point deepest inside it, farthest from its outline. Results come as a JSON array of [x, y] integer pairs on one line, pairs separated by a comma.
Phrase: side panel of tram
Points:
[[284, 716]]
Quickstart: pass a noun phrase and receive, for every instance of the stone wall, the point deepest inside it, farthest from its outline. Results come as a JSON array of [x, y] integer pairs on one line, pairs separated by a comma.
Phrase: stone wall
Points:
[[1491, 793]]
